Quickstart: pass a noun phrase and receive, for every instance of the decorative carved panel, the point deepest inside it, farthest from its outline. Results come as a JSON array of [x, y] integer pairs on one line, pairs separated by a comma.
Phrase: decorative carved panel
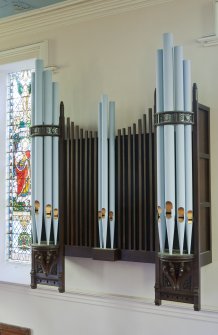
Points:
[[176, 280], [46, 266], [177, 275]]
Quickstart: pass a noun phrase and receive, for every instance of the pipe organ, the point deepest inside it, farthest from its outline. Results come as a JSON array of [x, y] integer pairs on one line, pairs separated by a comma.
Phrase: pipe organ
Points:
[[45, 131], [138, 194]]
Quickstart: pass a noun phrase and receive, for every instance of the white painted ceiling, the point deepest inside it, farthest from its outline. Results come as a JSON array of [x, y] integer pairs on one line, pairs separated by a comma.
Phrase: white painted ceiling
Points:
[[12, 7]]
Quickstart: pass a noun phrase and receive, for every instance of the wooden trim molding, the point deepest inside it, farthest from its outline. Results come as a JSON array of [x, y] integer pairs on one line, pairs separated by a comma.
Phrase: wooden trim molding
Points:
[[6, 329], [69, 12]]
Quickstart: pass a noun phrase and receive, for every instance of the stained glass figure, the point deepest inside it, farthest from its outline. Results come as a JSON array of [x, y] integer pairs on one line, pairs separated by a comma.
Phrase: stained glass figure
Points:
[[18, 167]]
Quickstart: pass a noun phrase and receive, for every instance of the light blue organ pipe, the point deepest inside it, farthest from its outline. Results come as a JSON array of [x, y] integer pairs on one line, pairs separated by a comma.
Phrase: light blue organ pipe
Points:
[[33, 157], [188, 152], [112, 169], [100, 174], [38, 160], [160, 152], [47, 76], [104, 185], [55, 162], [180, 145], [169, 145]]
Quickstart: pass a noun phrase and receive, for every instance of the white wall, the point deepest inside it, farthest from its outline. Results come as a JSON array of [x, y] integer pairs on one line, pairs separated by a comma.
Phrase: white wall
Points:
[[116, 55], [50, 313]]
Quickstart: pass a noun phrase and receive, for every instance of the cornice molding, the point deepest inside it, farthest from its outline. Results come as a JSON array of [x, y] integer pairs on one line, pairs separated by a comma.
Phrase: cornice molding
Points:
[[208, 41], [136, 304], [69, 12]]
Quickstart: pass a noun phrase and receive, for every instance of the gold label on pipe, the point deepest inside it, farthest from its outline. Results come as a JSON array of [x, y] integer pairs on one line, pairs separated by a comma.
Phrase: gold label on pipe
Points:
[[111, 215], [169, 207], [159, 211], [37, 206], [181, 213], [190, 216], [99, 215], [55, 214], [103, 213], [48, 211]]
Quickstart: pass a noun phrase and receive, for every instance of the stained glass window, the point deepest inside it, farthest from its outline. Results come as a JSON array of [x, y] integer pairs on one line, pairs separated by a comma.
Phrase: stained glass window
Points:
[[18, 165]]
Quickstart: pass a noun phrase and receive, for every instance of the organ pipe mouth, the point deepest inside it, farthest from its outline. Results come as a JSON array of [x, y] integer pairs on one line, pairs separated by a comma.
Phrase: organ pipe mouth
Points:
[[181, 215], [159, 211], [55, 213], [190, 216], [48, 211], [169, 207], [37, 206], [111, 216], [99, 215], [103, 213]]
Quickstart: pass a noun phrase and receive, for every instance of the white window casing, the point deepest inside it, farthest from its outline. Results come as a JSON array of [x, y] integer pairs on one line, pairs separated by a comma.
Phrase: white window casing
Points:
[[10, 61]]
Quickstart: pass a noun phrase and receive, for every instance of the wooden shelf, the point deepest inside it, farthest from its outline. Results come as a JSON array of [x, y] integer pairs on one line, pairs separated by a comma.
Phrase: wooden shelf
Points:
[[121, 254]]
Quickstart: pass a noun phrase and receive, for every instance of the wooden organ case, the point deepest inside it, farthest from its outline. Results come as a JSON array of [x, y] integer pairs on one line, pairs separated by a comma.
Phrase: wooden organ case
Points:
[[136, 238]]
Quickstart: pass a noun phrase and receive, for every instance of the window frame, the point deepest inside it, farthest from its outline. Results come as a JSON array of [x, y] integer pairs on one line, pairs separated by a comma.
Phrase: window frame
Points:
[[14, 59]]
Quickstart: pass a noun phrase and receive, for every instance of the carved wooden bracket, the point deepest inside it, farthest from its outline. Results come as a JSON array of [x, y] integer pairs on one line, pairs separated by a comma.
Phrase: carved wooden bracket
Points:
[[46, 262], [46, 266], [177, 275], [176, 280]]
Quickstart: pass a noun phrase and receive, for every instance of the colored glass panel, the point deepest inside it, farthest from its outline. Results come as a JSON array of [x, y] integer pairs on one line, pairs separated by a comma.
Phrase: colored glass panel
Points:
[[18, 165]]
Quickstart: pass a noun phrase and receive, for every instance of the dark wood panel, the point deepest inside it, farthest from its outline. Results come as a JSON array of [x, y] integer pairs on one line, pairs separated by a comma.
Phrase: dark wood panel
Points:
[[102, 254], [129, 190], [203, 130], [125, 255], [124, 221], [62, 201], [68, 216], [140, 184], [76, 185], [134, 185], [204, 185], [90, 193], [81, 193], [145, 183], [6, 329], [205, 229], [78, 251], [72, 178], [205, 258], [119, 183], [205, 233], [151, 182], [138, 256], [95, 188], [133, 172], [85, 186]]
